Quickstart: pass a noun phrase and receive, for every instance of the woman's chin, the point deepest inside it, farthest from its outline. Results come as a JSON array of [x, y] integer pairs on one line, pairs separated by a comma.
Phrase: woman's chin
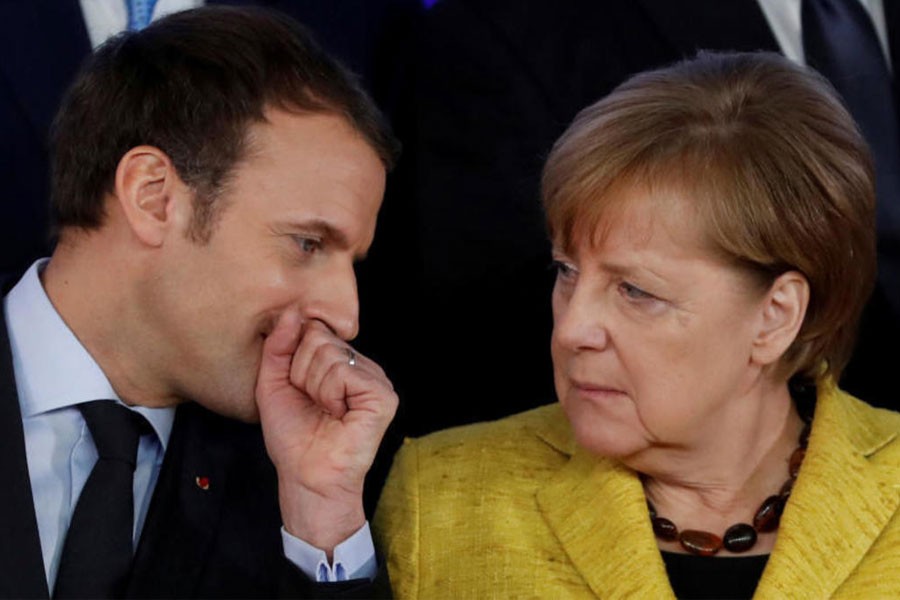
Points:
[[604, 429], [610, 440]]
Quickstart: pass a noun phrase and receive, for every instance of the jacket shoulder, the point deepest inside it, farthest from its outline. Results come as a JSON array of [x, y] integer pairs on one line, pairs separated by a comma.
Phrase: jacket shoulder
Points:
[[469, 493], [484, 462], [874, 432], [543, 430]]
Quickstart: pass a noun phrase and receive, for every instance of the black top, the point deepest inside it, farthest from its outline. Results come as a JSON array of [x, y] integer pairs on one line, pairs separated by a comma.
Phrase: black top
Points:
[[700, 577]]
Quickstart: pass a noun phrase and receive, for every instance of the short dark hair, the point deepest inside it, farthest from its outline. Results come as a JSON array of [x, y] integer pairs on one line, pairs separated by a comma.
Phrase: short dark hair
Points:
[[773, 161], [191, 84]]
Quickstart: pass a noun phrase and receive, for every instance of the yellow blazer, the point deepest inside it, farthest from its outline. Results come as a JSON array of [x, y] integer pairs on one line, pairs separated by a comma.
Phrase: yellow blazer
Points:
[[513, 509]]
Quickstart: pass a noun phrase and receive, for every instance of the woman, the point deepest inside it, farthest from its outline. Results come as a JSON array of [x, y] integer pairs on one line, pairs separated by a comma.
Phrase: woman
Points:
[[713, 230]]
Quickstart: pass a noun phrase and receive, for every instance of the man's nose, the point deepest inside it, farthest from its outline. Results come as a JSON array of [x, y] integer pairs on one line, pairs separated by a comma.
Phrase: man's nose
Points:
[[335, 302]]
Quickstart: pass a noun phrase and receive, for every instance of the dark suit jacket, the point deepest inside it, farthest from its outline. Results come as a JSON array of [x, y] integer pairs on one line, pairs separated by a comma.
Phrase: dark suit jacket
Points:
[[498, 82], [224, 541]]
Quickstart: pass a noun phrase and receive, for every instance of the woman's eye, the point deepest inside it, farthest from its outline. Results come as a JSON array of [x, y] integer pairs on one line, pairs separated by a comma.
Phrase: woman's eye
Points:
[[563, 270], [632, 292]]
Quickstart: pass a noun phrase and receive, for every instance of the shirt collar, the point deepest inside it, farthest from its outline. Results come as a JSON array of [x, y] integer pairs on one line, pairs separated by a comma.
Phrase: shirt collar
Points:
[[53, 369]]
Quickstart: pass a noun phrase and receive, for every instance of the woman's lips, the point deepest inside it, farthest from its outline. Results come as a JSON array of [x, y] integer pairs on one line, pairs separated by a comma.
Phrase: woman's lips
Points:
[[595, 390], [594, 387]]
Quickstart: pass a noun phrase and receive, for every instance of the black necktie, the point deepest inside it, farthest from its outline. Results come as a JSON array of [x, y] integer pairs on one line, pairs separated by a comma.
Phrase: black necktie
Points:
[[97, 554], [840, 42]]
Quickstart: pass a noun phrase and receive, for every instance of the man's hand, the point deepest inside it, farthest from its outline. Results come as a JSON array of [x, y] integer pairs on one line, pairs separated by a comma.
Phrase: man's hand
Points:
[[322, 419]]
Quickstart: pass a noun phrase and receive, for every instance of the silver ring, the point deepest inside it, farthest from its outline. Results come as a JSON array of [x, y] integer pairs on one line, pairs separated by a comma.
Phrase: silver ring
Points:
[[351, 357]]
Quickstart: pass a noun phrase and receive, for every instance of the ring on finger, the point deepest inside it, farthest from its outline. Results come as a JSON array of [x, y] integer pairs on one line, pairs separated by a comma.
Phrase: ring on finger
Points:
[[351, 357]]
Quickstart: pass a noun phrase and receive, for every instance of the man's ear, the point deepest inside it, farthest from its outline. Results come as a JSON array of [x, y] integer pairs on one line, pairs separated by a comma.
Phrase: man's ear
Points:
[[152, 196], [783, 310]]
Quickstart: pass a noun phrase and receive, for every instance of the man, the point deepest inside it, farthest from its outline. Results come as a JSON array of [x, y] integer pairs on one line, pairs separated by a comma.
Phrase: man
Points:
[[216, 176]]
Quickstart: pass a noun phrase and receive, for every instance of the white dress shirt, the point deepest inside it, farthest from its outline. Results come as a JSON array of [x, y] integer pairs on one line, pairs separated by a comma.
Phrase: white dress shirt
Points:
[[784, 21], [54, 373]]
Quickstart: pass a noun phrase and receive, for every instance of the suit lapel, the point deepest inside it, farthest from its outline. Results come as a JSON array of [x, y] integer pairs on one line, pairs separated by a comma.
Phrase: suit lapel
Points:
[[840, 503], [21, 563], [183, 517], [37, 70], [711, 24], [596, 509]]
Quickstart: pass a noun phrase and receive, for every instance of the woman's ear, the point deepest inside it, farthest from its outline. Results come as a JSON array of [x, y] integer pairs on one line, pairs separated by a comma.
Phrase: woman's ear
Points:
[[783, 310], [150, 193]]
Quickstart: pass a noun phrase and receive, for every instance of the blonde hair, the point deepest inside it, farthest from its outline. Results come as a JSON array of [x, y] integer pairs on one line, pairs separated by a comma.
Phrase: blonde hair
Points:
[[780, 175]]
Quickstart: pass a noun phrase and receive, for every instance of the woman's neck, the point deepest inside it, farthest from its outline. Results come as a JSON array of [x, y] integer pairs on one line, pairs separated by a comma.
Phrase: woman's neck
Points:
[[723, 481]]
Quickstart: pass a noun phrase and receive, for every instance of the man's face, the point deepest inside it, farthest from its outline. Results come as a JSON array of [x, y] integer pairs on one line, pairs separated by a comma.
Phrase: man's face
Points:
[[298, 211]]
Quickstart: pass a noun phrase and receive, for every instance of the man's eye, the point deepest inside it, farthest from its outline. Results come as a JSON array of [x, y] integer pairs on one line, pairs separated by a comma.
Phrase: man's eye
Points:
[[632, 292], [308, 245]]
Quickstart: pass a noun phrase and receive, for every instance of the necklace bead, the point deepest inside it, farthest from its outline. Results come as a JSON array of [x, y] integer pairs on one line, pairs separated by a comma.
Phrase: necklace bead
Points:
[[739, 538], [787, 488], [665, 529], [795, 462], [768, 516], [699, 542]]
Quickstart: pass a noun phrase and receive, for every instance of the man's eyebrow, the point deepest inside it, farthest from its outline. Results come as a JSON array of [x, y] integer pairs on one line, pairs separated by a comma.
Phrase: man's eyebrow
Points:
[[321, 228]]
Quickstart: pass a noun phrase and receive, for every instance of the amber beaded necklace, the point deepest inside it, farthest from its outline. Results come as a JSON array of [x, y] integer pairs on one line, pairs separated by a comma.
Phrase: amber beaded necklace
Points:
[[740, 537]]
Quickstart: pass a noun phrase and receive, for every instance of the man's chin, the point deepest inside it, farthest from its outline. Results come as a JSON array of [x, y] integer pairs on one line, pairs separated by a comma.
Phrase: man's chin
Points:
[[250, 415], [243, 411]]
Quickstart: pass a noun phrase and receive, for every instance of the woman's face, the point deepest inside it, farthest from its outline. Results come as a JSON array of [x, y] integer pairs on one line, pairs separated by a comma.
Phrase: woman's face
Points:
[[653, 333]]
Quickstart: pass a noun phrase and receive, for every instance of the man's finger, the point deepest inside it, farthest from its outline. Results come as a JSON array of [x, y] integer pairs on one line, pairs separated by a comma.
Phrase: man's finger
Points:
[[332, 398], [315, 335], [278, 350]]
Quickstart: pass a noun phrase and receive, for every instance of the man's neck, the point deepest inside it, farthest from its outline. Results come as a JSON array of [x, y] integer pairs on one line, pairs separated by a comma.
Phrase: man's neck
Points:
[[89, 290]]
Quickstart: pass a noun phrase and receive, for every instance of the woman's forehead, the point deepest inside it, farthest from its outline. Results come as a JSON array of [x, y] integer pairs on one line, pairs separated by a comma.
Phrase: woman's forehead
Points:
[[637, 210]]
